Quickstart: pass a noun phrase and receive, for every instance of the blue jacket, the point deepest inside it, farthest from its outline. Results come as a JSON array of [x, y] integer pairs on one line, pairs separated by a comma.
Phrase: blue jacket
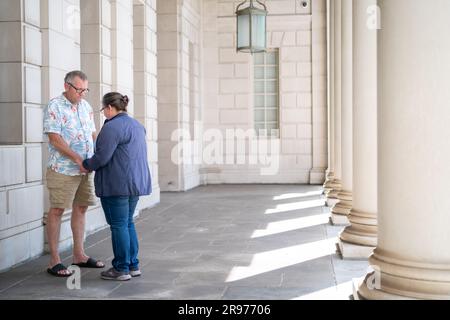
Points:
[[120, 159]]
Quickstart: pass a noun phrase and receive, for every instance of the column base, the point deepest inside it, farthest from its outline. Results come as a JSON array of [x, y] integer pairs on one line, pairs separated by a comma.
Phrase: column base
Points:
[[329, 174], [338, 220], [317, 176], [331, 192], [353, 251], [397, 279], [326, 189], [341, 210], [329, 177], [331, 202], [362, 231], [331, 185], [356, 283], [363, 291]]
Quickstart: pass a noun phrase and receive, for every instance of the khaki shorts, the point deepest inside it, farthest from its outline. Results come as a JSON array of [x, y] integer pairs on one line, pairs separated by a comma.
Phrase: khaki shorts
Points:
[[66, 191]]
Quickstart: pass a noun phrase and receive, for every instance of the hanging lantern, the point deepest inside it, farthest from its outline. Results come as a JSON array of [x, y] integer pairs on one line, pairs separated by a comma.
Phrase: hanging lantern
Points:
[[251, 28]]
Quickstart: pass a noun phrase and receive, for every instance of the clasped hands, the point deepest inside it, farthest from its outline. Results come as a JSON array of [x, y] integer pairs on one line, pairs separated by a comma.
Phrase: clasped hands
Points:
[[79, 162]]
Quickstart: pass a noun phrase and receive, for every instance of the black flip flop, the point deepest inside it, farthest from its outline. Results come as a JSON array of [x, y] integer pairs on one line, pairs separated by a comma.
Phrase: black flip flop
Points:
[[54, 271], [90, 263]]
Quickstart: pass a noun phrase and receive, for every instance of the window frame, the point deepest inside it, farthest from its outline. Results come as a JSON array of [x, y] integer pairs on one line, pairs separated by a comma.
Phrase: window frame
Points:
[[265, 64]]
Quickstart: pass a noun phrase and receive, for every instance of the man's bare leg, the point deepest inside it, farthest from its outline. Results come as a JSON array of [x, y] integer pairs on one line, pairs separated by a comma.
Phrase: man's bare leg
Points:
[[53, 228], [77, 223]]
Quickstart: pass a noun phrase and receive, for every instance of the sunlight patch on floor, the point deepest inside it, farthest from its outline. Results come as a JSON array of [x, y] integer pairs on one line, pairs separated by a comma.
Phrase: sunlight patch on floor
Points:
[[296, 206], [280, 258], [292, 224], [287, 196]]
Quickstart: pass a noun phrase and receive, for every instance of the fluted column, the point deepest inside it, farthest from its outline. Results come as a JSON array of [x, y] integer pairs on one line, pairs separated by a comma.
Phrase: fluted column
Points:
[[340, 211], [360, 238], [334, 186], [413, 254]]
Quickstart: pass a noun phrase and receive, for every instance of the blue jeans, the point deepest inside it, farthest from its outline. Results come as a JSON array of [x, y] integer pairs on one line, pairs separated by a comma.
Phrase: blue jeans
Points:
[[119, 215]]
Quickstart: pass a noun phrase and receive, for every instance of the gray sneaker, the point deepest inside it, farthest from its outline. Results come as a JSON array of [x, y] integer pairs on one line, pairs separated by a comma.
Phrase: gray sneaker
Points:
[[113, 274], [135, 273]]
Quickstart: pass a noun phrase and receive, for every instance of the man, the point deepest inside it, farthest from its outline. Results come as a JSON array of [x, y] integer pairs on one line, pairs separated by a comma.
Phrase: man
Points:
[[69, 124]]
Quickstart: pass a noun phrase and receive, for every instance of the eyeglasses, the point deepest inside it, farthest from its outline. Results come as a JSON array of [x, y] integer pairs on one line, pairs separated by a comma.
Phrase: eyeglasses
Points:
[[78, 90], [103, 108]]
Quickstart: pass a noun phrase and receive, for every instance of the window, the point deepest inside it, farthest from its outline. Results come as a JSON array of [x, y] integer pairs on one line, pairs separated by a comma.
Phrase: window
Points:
[[266, 99]]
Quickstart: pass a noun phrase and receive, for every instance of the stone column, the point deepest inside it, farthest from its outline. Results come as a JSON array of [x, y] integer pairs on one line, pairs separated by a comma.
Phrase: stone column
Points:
[[412, 257], [96, 59], [145, 86], [122, 49], [329, 175], [341, 210], [168, 93], [319, 93], [334, 186], [360, 238]]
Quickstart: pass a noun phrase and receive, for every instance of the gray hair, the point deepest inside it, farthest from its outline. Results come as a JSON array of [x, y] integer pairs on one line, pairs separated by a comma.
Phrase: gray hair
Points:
[[75, 74]]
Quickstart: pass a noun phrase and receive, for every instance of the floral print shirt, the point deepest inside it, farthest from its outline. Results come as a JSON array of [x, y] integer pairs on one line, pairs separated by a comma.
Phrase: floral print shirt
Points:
[[75, 124]]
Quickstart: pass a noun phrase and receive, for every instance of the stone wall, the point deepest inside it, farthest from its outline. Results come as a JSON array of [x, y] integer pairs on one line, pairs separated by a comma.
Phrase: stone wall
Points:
[[42, 41]]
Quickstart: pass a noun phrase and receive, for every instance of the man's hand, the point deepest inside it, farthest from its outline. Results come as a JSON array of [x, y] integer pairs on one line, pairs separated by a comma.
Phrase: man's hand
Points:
[[58, 142], [79, 162], [83, 170]]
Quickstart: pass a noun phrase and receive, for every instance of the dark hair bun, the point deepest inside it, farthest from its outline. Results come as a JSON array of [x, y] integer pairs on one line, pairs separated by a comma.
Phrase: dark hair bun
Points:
[[116, 100]]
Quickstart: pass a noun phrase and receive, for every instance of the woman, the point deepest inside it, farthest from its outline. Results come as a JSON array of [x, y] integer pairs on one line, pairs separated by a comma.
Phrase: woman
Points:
[[121, 176]]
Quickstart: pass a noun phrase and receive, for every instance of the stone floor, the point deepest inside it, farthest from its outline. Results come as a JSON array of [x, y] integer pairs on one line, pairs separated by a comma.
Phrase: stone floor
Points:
[[215, 242]]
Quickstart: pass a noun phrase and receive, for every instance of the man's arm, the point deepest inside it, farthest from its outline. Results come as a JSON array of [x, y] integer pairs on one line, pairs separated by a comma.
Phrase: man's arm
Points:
[[58, 142], [94, 136]]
